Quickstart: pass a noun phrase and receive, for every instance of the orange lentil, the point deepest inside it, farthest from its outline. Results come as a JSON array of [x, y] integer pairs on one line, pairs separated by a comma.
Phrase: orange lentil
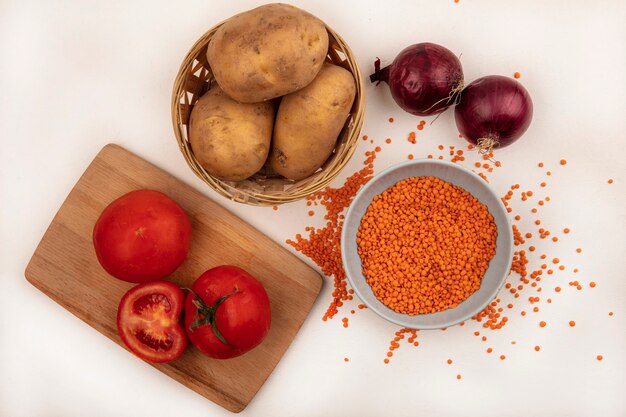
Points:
[[346, 359], [599, 357], [440, 147], [548, 173], [449, 361], [610, 181], [420, 127], [566, 230], [311, 212], [610, 313], [523, 313], [563, 162], [502, 357], [542, 324], [401, 280], [534, 210], [377, 149], [316, 246], [365, 137], [555, 260], [391, 120], [386, 360], [561, 268], [388, 140], [575, 270], [459, 375], [572, 323], [537, 348], [274, 208], [517, 75], [531, 248], [410, 156], [579, 250], [489, 350], [592, 284], [555, 239]]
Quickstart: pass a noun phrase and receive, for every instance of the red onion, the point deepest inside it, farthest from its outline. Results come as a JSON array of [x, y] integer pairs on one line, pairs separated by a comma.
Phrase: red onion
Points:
[[494, 112], [424, 79]]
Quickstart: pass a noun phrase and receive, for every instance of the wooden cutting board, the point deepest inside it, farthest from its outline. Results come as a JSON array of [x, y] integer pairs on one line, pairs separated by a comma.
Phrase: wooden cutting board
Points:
[[64, 266]]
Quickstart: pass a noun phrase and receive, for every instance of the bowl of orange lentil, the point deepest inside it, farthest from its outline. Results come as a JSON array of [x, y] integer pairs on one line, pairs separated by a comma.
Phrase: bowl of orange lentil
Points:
[[426, 244]]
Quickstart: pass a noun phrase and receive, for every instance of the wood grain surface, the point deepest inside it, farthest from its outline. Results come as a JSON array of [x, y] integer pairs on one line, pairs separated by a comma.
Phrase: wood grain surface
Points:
[[64, 266]]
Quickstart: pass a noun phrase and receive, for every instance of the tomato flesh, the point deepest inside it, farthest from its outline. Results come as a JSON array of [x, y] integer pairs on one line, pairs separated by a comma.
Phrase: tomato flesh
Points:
[[243, 318], [148, 321], [142, 236]]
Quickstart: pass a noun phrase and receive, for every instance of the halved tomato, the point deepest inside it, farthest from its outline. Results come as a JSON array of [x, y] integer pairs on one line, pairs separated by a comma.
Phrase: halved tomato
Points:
[[148, 321]]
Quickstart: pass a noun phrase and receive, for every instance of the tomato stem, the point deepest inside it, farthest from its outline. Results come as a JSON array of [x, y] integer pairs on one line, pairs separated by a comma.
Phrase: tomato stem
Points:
[[205, 314]]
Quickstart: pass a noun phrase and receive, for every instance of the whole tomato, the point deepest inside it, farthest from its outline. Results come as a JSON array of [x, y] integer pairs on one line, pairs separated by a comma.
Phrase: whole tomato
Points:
[[142, 236], [147, 321], [227, 312]]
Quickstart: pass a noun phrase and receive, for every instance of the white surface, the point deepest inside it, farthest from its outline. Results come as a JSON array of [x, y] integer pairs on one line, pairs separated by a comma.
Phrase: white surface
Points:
[[75, 75]]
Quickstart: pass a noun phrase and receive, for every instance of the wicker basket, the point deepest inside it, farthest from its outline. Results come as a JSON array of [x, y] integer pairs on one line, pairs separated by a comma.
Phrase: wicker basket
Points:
[[264, 188]]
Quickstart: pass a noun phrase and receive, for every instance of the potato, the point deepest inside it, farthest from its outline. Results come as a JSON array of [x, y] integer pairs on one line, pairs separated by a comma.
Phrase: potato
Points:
[[229, 139], [309, 121], [267, 52]]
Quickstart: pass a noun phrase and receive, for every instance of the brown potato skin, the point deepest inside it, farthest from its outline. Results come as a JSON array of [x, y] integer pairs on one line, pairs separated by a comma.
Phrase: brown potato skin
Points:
[[231, 140], [267, 52], [309, 121]]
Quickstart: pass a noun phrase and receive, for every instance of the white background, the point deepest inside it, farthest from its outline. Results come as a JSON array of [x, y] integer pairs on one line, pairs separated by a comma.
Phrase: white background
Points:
[[76, 75]]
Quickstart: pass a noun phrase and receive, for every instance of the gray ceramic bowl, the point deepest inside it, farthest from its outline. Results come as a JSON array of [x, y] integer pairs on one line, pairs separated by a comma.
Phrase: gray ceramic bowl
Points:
[[495, 275]]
